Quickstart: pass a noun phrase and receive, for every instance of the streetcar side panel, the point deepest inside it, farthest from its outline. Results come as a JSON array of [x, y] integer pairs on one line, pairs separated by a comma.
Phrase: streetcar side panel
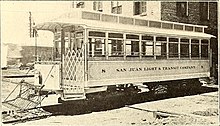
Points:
[[102, 73]]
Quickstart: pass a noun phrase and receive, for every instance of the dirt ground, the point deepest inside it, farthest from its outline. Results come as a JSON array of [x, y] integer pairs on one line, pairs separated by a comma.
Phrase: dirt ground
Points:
[[201, 110]]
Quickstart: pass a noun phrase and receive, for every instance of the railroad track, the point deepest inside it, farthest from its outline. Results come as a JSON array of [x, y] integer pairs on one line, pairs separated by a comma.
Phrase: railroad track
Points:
[[22, 116], [99, 104]]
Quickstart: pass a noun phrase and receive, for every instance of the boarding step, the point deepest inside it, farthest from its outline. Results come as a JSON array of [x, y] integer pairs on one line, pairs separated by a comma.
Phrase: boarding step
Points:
[[73, 92]]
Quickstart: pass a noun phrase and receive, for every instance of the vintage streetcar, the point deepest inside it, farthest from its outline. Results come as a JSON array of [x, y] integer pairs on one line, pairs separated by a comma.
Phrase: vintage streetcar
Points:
[[95, 52]]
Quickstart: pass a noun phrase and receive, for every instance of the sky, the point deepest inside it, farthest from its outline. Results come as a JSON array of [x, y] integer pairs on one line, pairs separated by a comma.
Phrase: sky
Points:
[[15, 20]]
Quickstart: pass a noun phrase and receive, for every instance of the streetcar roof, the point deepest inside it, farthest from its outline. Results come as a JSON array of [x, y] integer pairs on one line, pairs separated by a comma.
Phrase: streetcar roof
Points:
[[116, 27]]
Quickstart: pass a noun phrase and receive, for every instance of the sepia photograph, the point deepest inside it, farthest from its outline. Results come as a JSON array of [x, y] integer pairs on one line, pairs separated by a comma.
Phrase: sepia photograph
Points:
[[109, 63]]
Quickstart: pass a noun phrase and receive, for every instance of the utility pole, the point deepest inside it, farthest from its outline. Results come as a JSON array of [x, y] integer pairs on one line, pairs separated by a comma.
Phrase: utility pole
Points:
[[30, 24], [32, 35]]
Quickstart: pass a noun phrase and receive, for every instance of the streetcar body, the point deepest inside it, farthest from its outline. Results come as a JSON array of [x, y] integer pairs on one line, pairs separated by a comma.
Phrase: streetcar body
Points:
[[94, 51]]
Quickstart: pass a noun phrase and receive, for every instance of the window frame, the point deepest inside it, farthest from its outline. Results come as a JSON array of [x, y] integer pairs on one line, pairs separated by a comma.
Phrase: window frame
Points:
[[193, 45], [116, 50], [180, 10], [98, 6], [116, 8], [139, 8], [147, 44], [203, 44], [184, 48], [173, 52]]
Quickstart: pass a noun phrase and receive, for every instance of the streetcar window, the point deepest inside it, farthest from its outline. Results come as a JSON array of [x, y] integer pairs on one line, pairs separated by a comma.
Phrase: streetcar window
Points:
[[141, 22], [79, 34], [184, 48], [147, 45], [99, 47], [96, 47], [157, 49], [167, 25], [115, 35], [145, 37], [132, 45], [161, 48], [161, 39], [178, 27], [97, 34], [189, 28], [126, 20], [195, 48], [155, 24], [67, 41], [135, 48], [128, 47], [115, 43], [115, 47], [57, 50], [72, 38], [129, 36], [79, 40], [173, 47], [204, 48], [109, 18], [147, 48], [198, 29], [57, 45]]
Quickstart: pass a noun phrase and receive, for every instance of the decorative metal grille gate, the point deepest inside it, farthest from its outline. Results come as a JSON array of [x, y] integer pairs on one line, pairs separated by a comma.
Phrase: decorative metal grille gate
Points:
[[73, 74]]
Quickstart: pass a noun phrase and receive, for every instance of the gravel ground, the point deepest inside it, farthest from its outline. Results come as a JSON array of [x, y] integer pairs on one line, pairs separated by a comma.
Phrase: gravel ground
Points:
[[193, 110], [201, 110]]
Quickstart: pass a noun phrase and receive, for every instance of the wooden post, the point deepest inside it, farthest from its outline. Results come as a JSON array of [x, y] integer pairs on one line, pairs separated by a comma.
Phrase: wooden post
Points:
[[74, 43], [62, 53], [200, 49], [167, 48], [124, 45], [69, 40], [106, 45], [140, 47], [93, 47], [190, 50], [179, 48], [154, 47], [210, 53], [85, 43]]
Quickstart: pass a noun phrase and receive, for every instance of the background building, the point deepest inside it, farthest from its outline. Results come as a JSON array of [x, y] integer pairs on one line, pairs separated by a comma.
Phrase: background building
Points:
[[146, 9], [199, 13], [14, 54]]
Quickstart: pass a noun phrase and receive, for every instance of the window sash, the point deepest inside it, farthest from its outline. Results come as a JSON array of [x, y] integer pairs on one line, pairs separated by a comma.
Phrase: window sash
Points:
[[140, 7], [182, 9]]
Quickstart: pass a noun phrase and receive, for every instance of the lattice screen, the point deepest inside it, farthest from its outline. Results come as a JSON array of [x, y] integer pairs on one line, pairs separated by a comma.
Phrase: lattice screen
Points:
[[73, 73]]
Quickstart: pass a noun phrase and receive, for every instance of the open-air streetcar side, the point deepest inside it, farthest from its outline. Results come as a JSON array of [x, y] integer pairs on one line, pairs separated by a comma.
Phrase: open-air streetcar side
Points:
[[95, 52]]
